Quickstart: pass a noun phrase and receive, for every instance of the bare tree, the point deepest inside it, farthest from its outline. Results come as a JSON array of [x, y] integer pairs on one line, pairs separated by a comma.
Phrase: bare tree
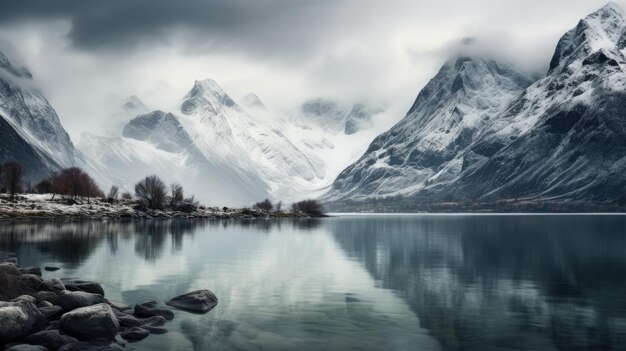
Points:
[[177, 193], [265, 205], [2, 185], [13, 178], [279, 206], [310, 207], [127, 196], [44, 187], [112, 195], [74, 182], [151, 192]]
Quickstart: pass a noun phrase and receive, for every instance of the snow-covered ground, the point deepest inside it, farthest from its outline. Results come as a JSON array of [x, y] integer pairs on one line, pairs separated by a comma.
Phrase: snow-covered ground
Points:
[[50, 207]]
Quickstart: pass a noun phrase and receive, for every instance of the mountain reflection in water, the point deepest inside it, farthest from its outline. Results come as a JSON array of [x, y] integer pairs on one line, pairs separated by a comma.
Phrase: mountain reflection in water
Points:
[[361, 282]]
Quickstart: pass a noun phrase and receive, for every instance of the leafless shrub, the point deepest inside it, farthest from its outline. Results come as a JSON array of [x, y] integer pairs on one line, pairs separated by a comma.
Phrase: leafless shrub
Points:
[[112, 195], [151, 192], [310, 207], [177, 193], [188, 205], [265, 205], [44, 187], [12, 177]]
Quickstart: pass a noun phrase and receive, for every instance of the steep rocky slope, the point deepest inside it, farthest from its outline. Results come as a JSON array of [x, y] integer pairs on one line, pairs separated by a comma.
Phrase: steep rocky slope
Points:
[[31, 131], [561, 139]]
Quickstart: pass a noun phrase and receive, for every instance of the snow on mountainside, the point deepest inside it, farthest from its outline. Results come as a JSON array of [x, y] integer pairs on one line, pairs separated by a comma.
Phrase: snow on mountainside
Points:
[[446, 117], [122, 112], [32, 132], [563, 138], [247, 152]]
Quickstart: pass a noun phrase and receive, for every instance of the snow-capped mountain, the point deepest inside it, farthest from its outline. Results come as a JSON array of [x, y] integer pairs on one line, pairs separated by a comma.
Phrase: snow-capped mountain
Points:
[[334, 117], [31, 131], [564, 138], [447, 116], [122, 112], [561, 139], [224, 152]]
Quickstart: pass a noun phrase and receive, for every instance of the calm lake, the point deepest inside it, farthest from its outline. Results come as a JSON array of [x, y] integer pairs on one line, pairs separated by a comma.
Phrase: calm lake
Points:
[[402, 282]]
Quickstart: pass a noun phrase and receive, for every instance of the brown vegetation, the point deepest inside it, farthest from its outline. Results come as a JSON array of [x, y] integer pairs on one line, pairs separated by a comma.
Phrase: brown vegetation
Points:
[[309, 207], [112, 195], [265, 205], [151, 192], [73, 182], [12, 172], [177, 193]]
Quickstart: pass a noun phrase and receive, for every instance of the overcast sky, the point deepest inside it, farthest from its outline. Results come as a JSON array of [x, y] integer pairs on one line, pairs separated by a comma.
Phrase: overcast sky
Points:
[[85, 53]]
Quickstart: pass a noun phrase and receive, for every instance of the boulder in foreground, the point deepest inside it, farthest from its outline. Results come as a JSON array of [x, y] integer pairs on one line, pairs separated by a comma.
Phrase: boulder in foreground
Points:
[[150, 309], [199, 301], [19, 318], [51, 339], [70, 300], [91, 322]]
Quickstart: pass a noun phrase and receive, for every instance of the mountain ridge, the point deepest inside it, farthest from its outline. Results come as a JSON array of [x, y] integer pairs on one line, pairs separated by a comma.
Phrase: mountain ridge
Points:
[[561, 139]]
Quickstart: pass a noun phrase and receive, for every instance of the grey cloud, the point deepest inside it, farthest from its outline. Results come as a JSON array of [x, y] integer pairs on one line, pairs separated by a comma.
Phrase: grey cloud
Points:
[[257, 26], [83, 51]]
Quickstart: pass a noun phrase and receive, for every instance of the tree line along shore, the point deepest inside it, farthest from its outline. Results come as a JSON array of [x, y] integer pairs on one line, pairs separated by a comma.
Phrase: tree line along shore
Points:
[[72, 194]]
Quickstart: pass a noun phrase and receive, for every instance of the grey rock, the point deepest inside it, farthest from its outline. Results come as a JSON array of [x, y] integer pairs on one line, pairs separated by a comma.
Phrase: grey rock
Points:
[[91, 322], [25, 347], [150, 308], [199, 301], [44, 304], [127, 320], [46, 296], [19, 318], [31, 270], [26, 299], [135, 334], [51, 339], [31, 281], [83, 346], [53, 324], [87, 286], [54, 285], [118, 305], [51, 312], [70, 300], [155, 330], [154, 321], [9, 269], [12, 260]]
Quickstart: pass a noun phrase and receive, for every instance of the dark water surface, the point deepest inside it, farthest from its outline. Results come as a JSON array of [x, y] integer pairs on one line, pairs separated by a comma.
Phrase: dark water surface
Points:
[[415, 282]]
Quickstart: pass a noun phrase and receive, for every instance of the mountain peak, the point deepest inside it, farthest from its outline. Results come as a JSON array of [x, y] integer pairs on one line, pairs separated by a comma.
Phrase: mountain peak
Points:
[[21, 72], [208, 85], [252, 100], [133, 102], [206, 96], [610, 8], [599, 30]]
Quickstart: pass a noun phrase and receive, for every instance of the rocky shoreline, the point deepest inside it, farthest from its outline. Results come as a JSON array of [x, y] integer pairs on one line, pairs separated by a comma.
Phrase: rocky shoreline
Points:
[[38, 314], [44, 207]]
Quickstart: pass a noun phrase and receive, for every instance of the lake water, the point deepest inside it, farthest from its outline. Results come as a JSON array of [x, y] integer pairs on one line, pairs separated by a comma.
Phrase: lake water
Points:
[[404, 282]]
